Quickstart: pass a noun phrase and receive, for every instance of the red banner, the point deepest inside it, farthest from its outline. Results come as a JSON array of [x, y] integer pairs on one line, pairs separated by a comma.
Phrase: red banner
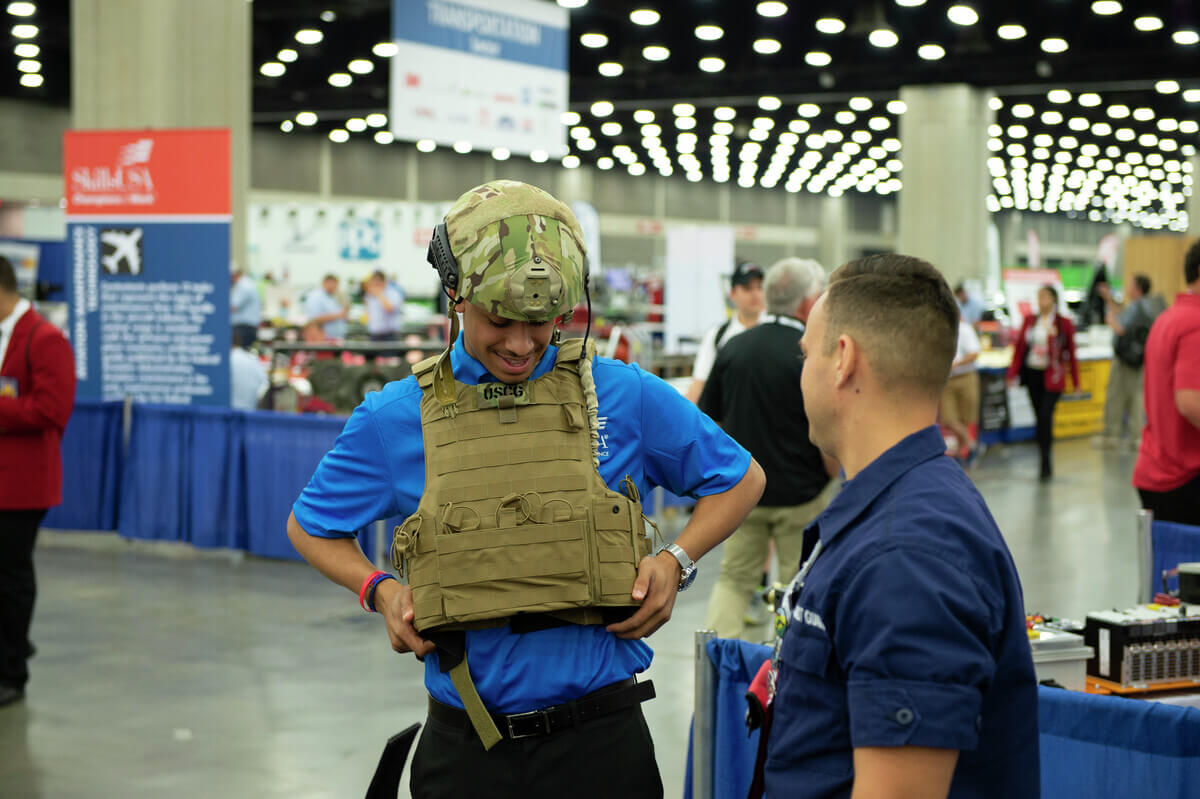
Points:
[[147, 172]]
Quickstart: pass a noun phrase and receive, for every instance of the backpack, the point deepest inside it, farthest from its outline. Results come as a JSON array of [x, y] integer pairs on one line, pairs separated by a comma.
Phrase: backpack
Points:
[[1130, 346]]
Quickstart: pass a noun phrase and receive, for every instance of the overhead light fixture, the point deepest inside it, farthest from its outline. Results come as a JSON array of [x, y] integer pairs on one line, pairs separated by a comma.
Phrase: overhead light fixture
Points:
[[580, 132], [340, 79], [385, 49], [1022, 110], [816, 58], [287, 125], [462, 147], [767, 46], [656, 52], [32, 80], [19, 9], [724, 113], [1106, 8], [1148, 23], [602, 108], [883, 38], [356, 124], [769, 103], [24, 31], [306, 118], [1117, 111], [569, 118], [897, 107], [501, 153], [610, 69], [709, 33], [830, 25], [771, 9], [1185, 37], [1058, 96], [931, 52], [428, 145], [1079, 124], [860, 103], [1011, 31], [272, 69], [1189, 95], [287, 55], [309, 36], [1143, 114], [808, 110], [962, 15], [361, 66], [1051, 118], [611, 128], [572, 3], [643, 116], [1054, 44], [1166, 86], [683, 110], [1089, 99], [384, 137], [26, 50], [339, 136], [644, 16], [712, 64], [593, 40], [570, 161]]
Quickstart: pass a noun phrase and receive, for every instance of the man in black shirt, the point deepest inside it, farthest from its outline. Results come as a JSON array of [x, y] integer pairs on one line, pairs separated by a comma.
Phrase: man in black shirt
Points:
[[753, 392]]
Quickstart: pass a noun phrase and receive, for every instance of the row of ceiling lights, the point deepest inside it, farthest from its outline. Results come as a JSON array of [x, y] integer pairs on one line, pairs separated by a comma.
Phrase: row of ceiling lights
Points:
[[26, 49]]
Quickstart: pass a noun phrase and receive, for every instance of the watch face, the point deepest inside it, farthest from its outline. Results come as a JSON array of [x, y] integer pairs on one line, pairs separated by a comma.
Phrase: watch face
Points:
[[688, 577]]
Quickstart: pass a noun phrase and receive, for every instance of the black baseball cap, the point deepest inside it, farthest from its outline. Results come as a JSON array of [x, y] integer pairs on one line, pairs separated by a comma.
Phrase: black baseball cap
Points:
[[744, 272]]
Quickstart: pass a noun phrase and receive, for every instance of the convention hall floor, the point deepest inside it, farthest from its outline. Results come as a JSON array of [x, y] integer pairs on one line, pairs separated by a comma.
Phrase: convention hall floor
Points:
[[166, 673]]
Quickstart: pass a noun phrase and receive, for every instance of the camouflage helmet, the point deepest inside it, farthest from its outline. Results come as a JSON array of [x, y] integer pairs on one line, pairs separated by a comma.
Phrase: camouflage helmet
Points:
[[520, 251]]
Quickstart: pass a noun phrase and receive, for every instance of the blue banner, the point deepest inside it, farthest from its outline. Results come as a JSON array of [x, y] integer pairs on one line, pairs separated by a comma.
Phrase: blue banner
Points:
[[495, 30], [150, 309]]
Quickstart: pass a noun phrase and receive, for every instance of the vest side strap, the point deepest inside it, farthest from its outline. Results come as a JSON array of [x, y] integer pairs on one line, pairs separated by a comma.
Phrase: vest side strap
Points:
[[481, 720]]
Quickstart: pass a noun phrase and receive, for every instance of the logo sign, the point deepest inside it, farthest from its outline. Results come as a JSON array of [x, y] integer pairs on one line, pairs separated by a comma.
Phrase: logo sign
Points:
[[489, 72], [148, 234]]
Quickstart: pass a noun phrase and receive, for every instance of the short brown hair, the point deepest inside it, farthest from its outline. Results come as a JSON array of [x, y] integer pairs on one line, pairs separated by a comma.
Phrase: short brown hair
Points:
[[8, 276], [901, 312]]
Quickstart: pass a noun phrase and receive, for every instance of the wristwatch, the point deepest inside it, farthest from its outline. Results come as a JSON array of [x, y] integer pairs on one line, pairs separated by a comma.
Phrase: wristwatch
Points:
[[687, 573]]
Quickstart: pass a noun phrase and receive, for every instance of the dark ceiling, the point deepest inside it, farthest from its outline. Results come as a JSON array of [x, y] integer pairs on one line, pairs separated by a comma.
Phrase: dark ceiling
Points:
[[1117, 55]]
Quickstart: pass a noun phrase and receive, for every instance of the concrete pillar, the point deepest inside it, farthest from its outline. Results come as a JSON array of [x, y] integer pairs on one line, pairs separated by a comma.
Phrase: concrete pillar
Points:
[[832, 248], [167, 64], [942, 210]]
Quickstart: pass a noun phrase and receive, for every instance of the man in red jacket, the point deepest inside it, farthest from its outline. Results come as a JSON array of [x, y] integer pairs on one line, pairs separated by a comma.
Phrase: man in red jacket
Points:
[[37, 392]]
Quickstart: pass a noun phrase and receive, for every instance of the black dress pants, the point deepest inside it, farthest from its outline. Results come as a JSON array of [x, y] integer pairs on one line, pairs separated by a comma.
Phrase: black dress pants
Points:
[[611, 757], [1182, 505], [18, 589], [1043, 403]]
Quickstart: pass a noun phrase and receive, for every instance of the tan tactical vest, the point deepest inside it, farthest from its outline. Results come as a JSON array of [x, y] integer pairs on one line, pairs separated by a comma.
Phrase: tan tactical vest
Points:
[[515, 518]]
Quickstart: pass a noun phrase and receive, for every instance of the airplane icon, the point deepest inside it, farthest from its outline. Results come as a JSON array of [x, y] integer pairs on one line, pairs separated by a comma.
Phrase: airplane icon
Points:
[[126, 247]]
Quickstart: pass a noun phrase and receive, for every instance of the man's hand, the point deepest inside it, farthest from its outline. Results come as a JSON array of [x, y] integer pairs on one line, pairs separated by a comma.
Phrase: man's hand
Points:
[[395, 602], [656, 587]]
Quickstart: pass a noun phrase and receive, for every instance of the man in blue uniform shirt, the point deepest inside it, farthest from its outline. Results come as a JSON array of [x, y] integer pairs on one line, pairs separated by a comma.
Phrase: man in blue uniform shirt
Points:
[[904, 669], [647, 431]]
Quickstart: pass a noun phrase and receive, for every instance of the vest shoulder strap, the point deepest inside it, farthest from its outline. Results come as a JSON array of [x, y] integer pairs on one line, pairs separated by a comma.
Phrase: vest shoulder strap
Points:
[[571, 350], [424, 371]]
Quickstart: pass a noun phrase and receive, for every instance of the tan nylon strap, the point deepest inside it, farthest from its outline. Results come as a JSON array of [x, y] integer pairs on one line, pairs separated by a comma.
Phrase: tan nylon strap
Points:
[[445, 389], [481, 720]]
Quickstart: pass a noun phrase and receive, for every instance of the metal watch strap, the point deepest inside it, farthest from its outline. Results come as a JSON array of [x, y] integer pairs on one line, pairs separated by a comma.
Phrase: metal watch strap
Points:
[[687, 567]]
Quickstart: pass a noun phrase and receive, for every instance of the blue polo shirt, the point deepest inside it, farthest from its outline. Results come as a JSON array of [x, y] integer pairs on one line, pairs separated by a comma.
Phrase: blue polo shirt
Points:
[[648, 431], [908, 631]]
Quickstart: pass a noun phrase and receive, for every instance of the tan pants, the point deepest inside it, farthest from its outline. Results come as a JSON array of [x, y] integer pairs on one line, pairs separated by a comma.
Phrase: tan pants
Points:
[[960, 400], [1123, 397], [745, 551]]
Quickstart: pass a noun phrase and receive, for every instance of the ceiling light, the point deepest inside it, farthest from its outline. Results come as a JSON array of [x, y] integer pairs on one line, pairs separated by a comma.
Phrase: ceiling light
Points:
[[580, 132], [830, 25], [501, 153], [910, 3], [897, 107], [462, 147], [569, 118], [712, 64], [605, 162], [892, 145], [773, 9], [31, 80], [818, 58], [1051, 118], [1167, 125], [1166, 86], [1143, 114], [808, 110], [22, 9], [1118, 111], [309, 36], [287, 125], [27, 50], [1011, 32], [1022, 110], [602, 108], [724, 113], [878, 123], [931, 52], [683, 110], [768, 103], [1078, 123], [340, 79], [883, 37], [1125, 134], [644, 16], [995, 103], [377, 120], [643, 116], [1106, 7], [338, 135], [1180, 37], [709, 33], [766, 46], [306, 118], [610, 69], [1188, 126], [361, 66], [384, 137], [1189, 95], [24, 31], [685, 123], [962, 15], [593, 40], [272, 69], [844, 117], [1058, 96], [385, 49], [859, 104], [570, 161], [572, 3], [1054, 45], [656, 52], [287, 55], [610, 128], [1148, 23], [1089, 99], [1017, 131]]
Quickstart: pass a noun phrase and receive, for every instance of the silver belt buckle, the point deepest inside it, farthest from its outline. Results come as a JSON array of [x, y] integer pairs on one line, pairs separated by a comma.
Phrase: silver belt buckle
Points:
[[513, 734]]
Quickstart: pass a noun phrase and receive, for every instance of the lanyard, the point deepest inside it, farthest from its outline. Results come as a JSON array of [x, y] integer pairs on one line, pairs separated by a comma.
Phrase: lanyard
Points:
[[783, 615]]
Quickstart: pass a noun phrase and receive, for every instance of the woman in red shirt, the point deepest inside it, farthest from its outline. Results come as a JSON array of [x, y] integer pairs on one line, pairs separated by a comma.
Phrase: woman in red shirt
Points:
[[1044, 350]]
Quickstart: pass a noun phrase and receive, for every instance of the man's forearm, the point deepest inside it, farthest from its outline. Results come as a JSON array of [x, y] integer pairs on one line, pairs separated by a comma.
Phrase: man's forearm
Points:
[[718, 515], [339, 559]]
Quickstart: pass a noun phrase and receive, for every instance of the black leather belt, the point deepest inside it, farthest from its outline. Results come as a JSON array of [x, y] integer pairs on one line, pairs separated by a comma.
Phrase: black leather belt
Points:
[[609, 699]]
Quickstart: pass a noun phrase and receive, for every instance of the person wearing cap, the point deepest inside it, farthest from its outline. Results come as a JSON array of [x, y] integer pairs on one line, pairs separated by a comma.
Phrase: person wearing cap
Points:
[[530, 578], [749, 306]]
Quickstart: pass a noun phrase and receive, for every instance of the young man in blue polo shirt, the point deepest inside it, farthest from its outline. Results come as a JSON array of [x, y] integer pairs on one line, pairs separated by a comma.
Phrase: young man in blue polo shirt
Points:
[[512, 258], [904, 668]]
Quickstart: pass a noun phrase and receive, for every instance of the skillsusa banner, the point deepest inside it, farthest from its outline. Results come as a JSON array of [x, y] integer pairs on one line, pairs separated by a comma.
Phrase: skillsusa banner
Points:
[[148, 216]]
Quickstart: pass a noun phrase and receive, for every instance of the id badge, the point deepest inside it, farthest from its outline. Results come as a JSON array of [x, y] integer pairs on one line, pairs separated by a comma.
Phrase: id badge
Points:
[[8, 387]]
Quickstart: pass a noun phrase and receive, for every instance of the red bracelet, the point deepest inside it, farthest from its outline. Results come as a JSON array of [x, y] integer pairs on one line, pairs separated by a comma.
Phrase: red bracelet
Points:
[[368, 583]]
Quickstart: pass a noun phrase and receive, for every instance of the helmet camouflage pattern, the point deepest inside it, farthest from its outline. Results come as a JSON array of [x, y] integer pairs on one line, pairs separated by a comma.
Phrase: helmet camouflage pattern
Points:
[[520, 251]]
